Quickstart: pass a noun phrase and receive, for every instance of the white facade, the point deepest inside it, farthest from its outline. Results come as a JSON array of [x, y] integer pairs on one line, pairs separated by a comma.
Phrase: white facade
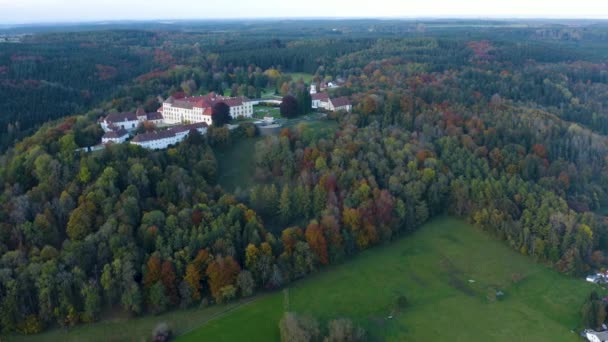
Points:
[[313, 89], [128, 121], [320, 100], [323, 101], [163, 139], [127, 124], [199, 109], [175, 115], [594, 336], [245, 110], [318, 104], [158, 144], [147, 117], [332, 108]]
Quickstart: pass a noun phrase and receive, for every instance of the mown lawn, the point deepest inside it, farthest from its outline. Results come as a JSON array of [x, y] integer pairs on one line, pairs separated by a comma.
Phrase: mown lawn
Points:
[[296, 76], [124, 329], [448, 270], [262, 111]]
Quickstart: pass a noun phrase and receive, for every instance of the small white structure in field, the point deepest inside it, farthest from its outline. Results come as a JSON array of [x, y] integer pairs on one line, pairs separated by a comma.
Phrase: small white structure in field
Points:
[[595, 336], [598, 278]]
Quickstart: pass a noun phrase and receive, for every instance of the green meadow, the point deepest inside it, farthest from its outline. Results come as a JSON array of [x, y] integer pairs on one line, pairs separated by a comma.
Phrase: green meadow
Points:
[[264, 111], [236, 164], [450, 273], [448, 270], [296, 76]]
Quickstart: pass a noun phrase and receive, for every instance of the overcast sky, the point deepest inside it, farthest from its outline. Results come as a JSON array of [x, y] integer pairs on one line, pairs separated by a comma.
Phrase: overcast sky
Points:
[[32, 11]]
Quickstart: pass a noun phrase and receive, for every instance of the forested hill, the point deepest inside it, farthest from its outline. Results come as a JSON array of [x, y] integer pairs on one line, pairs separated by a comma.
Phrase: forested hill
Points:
[[502, 124], [56, 71]]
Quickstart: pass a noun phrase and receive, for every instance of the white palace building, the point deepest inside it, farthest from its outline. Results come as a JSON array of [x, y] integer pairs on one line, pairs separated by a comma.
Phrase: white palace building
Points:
[[199, 108], [190, 113]]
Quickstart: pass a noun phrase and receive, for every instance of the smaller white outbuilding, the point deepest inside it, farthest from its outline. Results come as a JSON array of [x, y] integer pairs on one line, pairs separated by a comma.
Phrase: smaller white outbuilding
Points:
[[116, 136], [595, 336], [115, 121], [158, 140]]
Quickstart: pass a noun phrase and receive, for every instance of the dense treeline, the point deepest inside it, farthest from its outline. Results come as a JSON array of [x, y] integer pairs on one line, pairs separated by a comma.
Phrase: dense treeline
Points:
[[55, 75], [51, 75], [123, 227]]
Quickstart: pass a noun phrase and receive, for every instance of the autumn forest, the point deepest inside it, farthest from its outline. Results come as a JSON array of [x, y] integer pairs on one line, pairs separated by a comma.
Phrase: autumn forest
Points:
[[506, 127]]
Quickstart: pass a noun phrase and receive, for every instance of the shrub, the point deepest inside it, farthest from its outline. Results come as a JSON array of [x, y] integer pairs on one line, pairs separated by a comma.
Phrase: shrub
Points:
[[343, 330], [227, 293], [161, 333], [402, 302], [245, 283], [295, 328], [289, 107], [31, 325]]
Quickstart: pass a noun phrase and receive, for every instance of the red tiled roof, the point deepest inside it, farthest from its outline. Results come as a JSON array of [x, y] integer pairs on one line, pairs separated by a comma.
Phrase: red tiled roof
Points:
[[115, 134], [189, 127], [206, 101], [156, 135], [179, 95], [140, 112], [120, 117], [320, 96], [154, 116], [233, 102], [340, 102], [168, 133]]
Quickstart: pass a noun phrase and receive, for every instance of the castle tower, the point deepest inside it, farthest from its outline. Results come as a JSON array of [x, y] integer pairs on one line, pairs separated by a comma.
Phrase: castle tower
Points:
[[313, 89]]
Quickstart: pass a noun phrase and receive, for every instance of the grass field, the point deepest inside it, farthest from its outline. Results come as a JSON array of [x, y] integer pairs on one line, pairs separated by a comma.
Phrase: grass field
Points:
[[448, 270], [236, 163], [297, 75], [432, 268], [268, 92], [262, 111], [124, 329]]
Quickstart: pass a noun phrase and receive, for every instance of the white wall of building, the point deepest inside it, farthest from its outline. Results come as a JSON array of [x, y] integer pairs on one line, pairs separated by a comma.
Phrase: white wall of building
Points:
[[162, 143], [593, 338], [128, 125], [246, 110], [175, 115], [118, 140], [158, 144]]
